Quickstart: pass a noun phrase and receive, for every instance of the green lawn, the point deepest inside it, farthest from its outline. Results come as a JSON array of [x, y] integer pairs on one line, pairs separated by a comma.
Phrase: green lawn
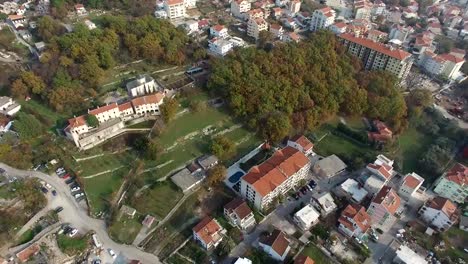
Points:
[[316, 254], [339, 145], [176, 259], [100, 189], [107, 162], [144, 124], [27, 236], [158, 200], [5, 192], [125, 229], [72, 246], [412, 144], [46, 115]]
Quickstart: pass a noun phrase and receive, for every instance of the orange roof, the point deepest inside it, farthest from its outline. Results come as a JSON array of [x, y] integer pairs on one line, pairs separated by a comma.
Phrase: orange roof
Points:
[[125, 106], [377, 46], [174, 2], [239, 206], [302, 259], [148, 99], [276, 26], [411, 181], [206, 229], [103, 109], [79, 6], [303, 142], [28, 252], [277, 241], [340, 24], [451, 58], [274, 171], [218, 27], [388, 198], [444, 205], [15, 17], [359, 216], [77, 121], [458, 174], [381, 169]]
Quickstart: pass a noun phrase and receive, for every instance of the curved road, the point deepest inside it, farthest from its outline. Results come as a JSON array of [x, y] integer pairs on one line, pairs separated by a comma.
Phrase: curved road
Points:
[[77, 216]]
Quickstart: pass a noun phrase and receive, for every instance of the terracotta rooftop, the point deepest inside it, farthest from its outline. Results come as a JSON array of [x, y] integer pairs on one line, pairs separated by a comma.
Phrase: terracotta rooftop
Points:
[[148, 99], [444, 205], [206, 229], [174, 2], [340, 24], [239, 206], [359, 216], [388, 198], [218, 27], [302, 259], [28, 252], [382, 169], [451, 58], [77, 121], [458, 174], [303, 142], [277, 241], [125, 106], [411, 181], [274, 171], [103, 109], [15, 17], [377, 46]]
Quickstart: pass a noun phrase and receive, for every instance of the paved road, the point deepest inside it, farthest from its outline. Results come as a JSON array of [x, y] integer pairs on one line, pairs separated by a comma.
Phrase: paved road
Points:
[[77, 216]]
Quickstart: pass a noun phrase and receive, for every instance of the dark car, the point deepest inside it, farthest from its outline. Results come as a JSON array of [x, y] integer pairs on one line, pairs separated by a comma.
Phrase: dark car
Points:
[[303, 190], [70, 180], [66, 176], [54, 192], [296, 196], [44, 190], [59, 209]]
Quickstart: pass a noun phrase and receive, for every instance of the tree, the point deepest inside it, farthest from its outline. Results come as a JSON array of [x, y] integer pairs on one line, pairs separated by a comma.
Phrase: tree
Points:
[[47, 28], [275, 127], [199, 54], [445, 44], [420, 98], [27, 126], [34, 83], [169, 109], [198, 105], [19, 89], [92, 120], [154, 149], [216, 175], [223, 147], [265, 37]]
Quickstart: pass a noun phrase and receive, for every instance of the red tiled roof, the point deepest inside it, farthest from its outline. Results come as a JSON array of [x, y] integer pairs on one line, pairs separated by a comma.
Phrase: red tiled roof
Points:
[[273, 172], [79, 6], [174, 2], [358, 214], [28, 252], [458, 174], [444, 205], [277, 241], [77, 121], [377, 46], [206, 229], [411, 181], [302, 140], [218, 27], [302, 259], [275, 26], [340, 24], [125, 106], [239, 206], [451, 58], [381, 169], [15, 17], [388, 198], [148, 99], [103, 109]]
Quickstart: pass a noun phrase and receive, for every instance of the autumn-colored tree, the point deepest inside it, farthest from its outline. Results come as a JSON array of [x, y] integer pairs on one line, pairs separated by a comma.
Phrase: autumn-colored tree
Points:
[[169, 109], [19, 89], [275, 127], [34, 83], [154, 149], [223, 147], [216, 175]]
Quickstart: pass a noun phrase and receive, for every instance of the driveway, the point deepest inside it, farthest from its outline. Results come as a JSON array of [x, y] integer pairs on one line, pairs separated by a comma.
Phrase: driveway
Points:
[[78, 217]]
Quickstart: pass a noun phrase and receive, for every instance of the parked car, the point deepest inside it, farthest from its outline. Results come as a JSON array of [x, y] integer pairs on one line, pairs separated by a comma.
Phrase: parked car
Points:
[[73, 232], [59, 209], [66, 176], [111, 253], [44, 190], [70, 180], [54, 192], [303, 190], [48, 186], [78, 195], [75, 189], [58, 170]]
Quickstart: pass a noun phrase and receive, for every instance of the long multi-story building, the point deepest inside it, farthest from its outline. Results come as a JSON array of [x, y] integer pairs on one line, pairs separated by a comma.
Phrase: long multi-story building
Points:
[[174, 8], [447, 64], [322, 18], [275, 176], [383, 208], [377, 56], [453, 184], [255, 26]]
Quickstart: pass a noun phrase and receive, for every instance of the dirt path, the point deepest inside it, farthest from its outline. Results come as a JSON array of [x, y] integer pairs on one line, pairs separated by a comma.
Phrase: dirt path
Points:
[[102, 172]]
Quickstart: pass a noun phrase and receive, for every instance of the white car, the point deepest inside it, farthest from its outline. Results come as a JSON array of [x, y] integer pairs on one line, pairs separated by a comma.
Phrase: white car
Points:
[[78, 195], [48, 186], [75, 189], [111, 253], [73, 232]]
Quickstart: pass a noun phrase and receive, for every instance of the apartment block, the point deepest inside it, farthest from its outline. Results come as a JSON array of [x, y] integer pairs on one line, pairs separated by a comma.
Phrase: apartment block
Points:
[[322, 18]]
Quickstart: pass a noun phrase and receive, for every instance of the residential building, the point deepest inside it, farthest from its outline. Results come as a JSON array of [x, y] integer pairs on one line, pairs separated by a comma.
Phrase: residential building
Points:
[[376, 35], [447, 64], [90, 25], [276, 245], [439, 213], [188, 180], [239, 214], [162, 14], [255, 13], [25, 254], [384, 207], [191, 26], [219, 46], [354, 221], [453, 184], [372, 183], [240, 260], [275, 176], [329, 166], [400, 32], [142, 85], [377, 56], [174, 8], [209, 233], [302, 143], [362, 9], [405, 255], [240, 7], [219, 31], [8, 106], [207, 162], [80, 9], [352, 190], [338, 28], [105, 113], [303, 259], [277, 30], [410, 185], [322, 18], [464, 223], [255, 26], [148, 104], [294, 6], [127, 211], [189, 4], [324, 203], [306, 217], [381, 133], [17, 21], [382, 167], [378, 8]]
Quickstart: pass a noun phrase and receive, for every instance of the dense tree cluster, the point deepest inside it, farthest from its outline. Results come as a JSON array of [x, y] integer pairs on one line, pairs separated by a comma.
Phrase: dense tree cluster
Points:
[[75, 64], [296, 85]]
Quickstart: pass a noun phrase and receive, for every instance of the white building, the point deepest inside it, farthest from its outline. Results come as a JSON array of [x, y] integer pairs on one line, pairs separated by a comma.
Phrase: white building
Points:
[[294, 6], [105, 113], [405, 255], [410, 185], [160, 14], [240, 7], [447, 64], [8, 106], [239, 214], [453, 184], [439, 213], [353, 190], [255, 26], [191, 26], [400, 32], [276, 245], [174, 8], [90, 25], [220, 46], [323, 202], [189, 4], [322, 18], [209, 233], [142, 85], [148, 104], [303, 144], [306, 217], [219, 31], [17, 21], [329, 167], [80, 10], [275, 176]]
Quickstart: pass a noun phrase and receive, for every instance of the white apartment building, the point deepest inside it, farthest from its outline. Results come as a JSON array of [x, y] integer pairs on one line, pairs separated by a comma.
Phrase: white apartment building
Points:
[[377, 56], [105, 113], [439, 213], [306, 217], [255, 26], [174, 8], [322, 18], [142, 85], [363, 12], [239, 214], [8, 106], [219, 31], [410, 185], [447, 64], [220, 46], [294, 6], [239, 7], [189, 4], [275, 176]]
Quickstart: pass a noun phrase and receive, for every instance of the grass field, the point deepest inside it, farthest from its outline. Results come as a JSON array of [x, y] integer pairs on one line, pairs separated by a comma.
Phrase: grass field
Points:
[[100, 189], [125, 229], [316, 254], [104, 163], [47, 116], [72, 246], [176, 259], [412, 145], [158, 200]]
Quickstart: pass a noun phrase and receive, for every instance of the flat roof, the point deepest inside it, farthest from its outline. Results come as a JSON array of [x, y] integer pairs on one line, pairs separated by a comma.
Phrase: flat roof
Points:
[[352, 187], [185, 180]]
